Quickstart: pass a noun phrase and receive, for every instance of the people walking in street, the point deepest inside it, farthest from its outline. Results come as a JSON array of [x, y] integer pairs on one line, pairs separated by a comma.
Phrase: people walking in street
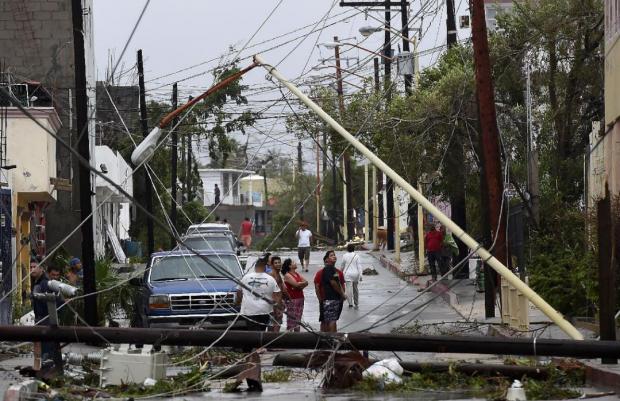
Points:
[[257, 287], [352, 271], [304, 241], [318, 289], [295, 284], [245, 232], [432, 242], [331, 293], [278, 312]]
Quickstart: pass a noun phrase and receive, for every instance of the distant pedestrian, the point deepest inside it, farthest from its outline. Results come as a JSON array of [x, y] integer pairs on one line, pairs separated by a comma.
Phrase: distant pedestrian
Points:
[[278, 311], [304, 241], [331, 293], [245, 232], [295, 284], [412, 221], [225, 222], [352, 271], [216, 193], [433, 241]]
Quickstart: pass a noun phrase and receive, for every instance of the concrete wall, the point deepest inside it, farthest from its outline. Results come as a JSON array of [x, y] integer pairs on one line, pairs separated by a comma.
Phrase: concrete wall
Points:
[[36, 43], [226, 180], [33, 151], [612, 61], [611, 130], [113, 205], [109, 125]]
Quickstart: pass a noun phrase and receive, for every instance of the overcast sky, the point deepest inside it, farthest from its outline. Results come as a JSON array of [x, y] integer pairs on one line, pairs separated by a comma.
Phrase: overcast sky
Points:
[[182, 40]]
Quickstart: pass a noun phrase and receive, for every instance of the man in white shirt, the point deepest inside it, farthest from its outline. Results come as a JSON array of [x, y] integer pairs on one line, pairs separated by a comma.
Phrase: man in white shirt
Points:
[[352, 270], [254, 305], [304, 240], [256, 309]]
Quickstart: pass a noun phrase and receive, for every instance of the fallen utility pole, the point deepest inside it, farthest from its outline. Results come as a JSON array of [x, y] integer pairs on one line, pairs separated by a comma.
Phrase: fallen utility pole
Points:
[[85, 177], [315, 360], [359, 341], [486, 256]]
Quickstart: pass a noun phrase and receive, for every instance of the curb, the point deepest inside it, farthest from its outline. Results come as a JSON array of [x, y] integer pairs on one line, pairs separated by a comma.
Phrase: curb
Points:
[[440, 288], [600, 376]]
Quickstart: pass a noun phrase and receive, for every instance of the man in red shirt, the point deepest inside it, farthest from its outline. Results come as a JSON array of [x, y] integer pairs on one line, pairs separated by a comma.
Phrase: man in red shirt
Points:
[[245, 233], [433, 241]]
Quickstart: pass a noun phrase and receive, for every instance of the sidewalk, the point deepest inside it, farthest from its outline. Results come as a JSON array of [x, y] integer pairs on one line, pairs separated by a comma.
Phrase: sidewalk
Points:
[[462, 296]]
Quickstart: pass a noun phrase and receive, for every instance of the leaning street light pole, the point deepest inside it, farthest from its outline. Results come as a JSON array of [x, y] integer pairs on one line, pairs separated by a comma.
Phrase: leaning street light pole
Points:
[[532, 296], [147, 147]]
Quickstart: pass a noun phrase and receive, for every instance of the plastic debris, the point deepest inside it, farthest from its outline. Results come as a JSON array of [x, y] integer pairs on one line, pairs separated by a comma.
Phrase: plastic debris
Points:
[[516, 392], [148, 382], [386, 370]]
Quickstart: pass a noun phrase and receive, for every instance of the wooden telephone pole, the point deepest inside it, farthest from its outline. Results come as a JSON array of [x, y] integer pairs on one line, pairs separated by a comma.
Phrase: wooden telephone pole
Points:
[[83, 137], [489, 142]]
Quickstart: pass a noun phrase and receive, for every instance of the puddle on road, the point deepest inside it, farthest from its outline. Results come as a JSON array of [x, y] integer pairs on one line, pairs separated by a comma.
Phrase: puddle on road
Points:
[[308, 390]]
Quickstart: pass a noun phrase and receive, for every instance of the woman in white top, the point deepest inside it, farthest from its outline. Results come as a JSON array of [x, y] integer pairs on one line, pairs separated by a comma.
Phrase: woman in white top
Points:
[[352, 270]]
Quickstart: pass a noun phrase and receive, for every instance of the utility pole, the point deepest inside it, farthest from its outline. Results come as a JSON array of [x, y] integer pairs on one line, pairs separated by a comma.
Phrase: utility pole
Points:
[[318, 187], [489, 136], [376, 69], [450, 23], [366, 206], [174, 156], [387, 52], [334, 222], [404, 18], [607, 264], [348, 213], [375, 207], [150, 241], [377, 178], [533, 181], [83, 137], [454, 164], [265, 185], [189, 187], [300, 169]]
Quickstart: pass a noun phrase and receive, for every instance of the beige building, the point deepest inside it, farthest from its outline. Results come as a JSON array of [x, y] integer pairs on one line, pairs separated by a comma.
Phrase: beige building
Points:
[[612, 93], [31, 159], [604, 162]]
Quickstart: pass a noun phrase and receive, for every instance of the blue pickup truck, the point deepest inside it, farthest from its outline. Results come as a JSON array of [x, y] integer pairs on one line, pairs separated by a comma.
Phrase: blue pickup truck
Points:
[[182, 289]]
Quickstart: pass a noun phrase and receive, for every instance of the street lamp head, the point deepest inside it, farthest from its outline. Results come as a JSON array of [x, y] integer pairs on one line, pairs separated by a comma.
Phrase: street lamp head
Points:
[[368, 30], [330, 45]]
